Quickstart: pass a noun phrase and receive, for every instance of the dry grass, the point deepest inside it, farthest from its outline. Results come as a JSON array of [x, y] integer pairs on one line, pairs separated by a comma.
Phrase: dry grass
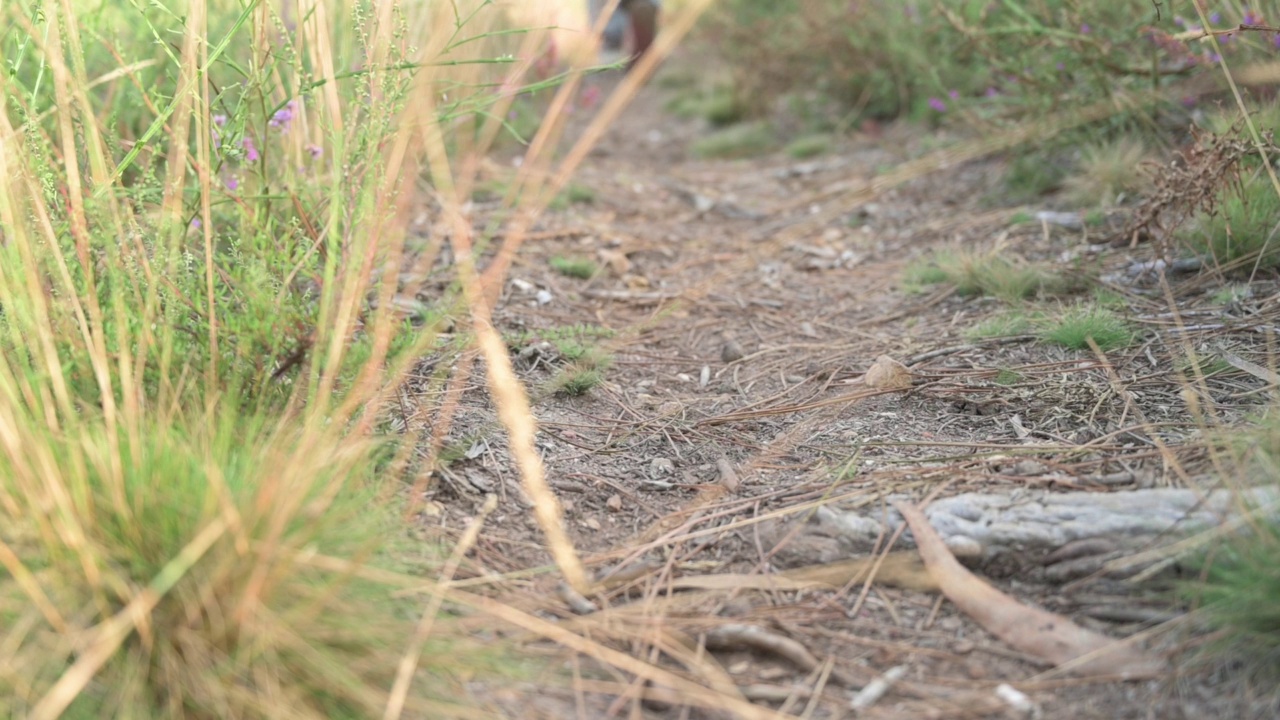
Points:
[[190, 527], [1109, 173]]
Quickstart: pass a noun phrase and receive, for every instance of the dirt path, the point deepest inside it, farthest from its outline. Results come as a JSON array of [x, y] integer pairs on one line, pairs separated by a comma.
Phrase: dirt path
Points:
[[733, 396]]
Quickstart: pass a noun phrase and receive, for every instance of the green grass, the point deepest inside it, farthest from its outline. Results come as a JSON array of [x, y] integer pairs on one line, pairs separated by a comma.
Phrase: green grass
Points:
[[574, 267], [196, 347], [1232, 293], [322, 634], [582, 361], [808, 146], [1007, 377], [1207, 366], [1239, 599], [738, 141], [722, 109], [926, 271], [1236, 580], [1074, 327], [1005, 324], [583, 374], [1245, 230], [578, 194], [1030, 176], [1106, 298], [999, 275]]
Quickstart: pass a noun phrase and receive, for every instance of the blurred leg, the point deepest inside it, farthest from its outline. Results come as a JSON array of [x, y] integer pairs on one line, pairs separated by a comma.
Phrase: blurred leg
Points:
[[644, 25], [615, 30]]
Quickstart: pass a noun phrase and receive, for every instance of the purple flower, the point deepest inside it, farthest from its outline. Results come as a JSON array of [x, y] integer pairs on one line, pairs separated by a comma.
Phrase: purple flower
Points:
[[953, 94], [250, 150], [232, 183], [282, 117], [195, 223], [1214, 57], [937, 104], [315, 150], [1179, 21], [1188, 101], [219, 120], [1252, 18], [1215, 17], [1275, 40], [992, 92], [1085, 29]]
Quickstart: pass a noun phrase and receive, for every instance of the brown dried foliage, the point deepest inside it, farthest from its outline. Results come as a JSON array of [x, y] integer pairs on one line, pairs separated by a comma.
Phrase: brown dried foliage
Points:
[[1190, 184]]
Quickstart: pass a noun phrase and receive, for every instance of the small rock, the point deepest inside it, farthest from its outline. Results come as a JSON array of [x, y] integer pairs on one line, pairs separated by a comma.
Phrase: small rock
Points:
[[614, 503], [950, 624], [1026, 468], [1068, 220], [544, 297], [731, 351], [523, 286], [661, 466], [591, 523], [964, 647]]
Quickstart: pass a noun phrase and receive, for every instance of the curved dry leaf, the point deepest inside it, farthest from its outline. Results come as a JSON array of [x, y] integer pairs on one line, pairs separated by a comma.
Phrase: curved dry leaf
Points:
[[887, 374], [1039, 633]]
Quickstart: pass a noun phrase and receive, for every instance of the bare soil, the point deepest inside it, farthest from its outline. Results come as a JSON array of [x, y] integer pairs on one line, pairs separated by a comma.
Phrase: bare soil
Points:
[[743, 302]]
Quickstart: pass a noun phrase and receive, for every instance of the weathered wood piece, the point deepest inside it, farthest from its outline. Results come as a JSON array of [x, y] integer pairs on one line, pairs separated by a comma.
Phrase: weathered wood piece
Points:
[[1066, 535]]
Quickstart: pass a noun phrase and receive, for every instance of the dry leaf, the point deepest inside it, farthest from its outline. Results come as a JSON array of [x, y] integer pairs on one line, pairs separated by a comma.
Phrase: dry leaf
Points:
[[1051, 637], [887, 374], [728, 478], [616, 260]]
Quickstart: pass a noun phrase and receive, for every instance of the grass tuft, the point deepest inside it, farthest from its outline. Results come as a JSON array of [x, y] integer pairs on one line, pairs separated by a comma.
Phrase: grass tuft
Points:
[[584, 373], [992, 273], [738, 141], [1245, 229], [1238, 579], [574, 267], [808, 146], [1077, 325], [1006, 324], [1108, 173]]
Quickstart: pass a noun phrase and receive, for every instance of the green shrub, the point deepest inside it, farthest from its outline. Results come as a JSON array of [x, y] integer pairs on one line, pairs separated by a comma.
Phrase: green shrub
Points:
[[987, 62]]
